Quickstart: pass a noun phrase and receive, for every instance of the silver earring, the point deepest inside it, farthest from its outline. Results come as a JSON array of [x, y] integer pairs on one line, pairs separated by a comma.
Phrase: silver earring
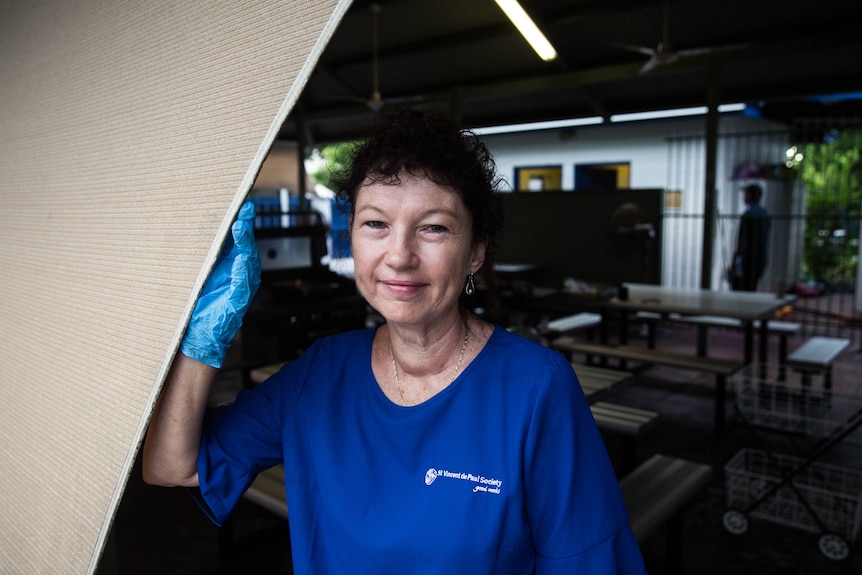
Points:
[[470, 289]]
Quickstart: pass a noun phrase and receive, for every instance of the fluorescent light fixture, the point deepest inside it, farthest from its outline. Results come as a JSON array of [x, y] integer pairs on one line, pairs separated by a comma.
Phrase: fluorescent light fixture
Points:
[[595, 120], [532, 126], [675, 113], [528, 29]]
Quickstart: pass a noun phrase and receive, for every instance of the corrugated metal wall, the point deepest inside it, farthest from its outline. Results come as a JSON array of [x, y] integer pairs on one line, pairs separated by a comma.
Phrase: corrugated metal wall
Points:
[[815, 194]]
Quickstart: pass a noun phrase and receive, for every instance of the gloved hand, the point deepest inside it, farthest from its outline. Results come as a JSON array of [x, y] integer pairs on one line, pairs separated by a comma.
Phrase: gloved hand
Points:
[[226, 295]]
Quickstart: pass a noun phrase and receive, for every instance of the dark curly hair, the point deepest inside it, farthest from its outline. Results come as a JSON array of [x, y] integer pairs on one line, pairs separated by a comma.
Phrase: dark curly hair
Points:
[[427, 144]]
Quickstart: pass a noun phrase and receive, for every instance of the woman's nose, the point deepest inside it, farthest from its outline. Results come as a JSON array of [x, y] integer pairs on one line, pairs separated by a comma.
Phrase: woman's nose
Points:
[[401, 252]]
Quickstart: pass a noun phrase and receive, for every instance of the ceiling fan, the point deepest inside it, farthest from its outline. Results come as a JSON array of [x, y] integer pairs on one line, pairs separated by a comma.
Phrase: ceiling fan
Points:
[[376, 101], [664, 54]]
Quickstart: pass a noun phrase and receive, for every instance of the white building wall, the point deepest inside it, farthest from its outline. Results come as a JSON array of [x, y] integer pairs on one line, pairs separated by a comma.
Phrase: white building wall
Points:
[[658, 160], [643, 145]]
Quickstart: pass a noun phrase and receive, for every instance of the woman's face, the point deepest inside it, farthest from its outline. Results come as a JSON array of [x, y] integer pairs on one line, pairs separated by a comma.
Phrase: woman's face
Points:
[[412, 247]]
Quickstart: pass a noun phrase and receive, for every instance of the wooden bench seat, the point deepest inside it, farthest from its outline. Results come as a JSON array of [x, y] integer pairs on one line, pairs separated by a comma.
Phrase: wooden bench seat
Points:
[[268, 491], [783, 329], [650, 356], [655, 494], [599, 382], [261, 374], [816, 356], [720, 368], [627, 422], [818, 352], [584, 321], [574, 322]]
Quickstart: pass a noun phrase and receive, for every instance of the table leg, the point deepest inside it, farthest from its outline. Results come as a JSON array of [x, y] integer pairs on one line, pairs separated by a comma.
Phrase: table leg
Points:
[[652, 327], [624, 333], [748, 356], [702, 340], [603, 338], [624, 327], [603, 327], [763, 354], [720, 398], [782, 357]]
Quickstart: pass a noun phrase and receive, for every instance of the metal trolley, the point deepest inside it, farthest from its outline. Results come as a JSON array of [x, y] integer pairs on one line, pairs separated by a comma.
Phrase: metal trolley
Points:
[[796, 491]]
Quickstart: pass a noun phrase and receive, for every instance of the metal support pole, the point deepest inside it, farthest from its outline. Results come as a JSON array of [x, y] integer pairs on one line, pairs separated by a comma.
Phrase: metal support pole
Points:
[[712, 97], [301, 142]]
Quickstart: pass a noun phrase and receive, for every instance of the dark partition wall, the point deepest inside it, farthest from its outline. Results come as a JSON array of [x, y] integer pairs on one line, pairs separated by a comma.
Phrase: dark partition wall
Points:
[[598, 236]]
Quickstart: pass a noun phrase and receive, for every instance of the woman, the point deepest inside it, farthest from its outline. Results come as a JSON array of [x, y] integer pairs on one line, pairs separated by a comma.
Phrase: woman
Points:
[[435, 443]]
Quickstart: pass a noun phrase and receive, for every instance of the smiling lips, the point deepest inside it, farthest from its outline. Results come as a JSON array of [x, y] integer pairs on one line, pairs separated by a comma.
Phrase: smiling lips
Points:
[[403, 287]]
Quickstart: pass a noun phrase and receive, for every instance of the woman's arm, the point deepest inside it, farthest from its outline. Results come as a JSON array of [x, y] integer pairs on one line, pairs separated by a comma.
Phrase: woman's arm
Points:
[[173, 438], [171, 447], [581, 525]]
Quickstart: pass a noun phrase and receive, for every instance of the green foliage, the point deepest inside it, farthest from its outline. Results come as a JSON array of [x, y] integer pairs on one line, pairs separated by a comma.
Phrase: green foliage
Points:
[[832, 173], [330, 160]]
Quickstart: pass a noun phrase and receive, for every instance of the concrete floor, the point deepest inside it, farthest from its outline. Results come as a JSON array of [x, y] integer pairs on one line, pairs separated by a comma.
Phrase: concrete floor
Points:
[[161, 530]]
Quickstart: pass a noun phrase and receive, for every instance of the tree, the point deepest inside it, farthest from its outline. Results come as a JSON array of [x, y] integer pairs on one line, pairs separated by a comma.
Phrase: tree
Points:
[[330, 160], [832, 173]]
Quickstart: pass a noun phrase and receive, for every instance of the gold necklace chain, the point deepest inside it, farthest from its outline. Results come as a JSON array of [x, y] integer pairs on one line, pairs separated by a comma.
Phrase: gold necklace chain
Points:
[[454, 372]]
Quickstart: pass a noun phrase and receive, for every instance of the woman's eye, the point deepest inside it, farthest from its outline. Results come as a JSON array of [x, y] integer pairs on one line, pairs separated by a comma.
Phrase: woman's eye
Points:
[[375, 224], [436, 229]]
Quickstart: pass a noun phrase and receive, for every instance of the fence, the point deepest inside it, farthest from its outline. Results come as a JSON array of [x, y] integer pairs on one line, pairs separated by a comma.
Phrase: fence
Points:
[[811, 176]]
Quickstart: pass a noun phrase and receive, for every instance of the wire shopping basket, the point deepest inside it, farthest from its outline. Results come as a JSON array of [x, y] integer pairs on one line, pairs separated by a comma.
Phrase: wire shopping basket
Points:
[[833, 493], [778, 398], [798, 492]]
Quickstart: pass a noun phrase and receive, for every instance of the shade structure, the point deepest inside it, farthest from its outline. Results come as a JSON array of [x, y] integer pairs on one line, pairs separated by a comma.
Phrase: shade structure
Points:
[[130, 134]]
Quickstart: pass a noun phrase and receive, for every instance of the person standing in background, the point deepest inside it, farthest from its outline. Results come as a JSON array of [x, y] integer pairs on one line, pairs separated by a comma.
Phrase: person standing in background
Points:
[[752, 244]]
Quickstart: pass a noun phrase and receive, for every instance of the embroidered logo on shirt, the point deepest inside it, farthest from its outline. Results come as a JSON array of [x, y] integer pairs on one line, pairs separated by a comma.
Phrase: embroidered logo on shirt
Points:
[[481, 484]]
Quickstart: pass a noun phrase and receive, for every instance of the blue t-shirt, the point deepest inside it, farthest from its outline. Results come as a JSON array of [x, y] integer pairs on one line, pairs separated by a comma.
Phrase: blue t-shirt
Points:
[[502, 472]]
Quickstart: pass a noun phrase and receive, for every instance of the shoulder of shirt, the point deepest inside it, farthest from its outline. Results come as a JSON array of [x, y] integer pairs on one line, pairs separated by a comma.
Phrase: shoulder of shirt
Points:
[[341, 344], [328, 351], [526, 349], [345, 338]]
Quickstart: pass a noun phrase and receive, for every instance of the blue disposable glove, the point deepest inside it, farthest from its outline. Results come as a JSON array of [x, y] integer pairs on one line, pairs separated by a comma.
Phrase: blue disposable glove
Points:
[[226, 295]]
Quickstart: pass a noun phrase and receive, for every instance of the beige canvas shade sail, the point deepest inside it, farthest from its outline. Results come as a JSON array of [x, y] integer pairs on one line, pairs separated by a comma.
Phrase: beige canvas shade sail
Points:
[[130, 133]]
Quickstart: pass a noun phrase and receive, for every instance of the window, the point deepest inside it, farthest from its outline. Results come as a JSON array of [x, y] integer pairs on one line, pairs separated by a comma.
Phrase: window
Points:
[[538, 178], [602, 176]]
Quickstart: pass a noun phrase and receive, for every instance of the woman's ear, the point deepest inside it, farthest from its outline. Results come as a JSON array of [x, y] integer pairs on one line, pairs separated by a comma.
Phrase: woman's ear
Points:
[[477, 258]]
